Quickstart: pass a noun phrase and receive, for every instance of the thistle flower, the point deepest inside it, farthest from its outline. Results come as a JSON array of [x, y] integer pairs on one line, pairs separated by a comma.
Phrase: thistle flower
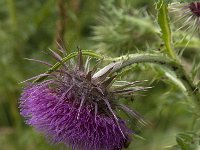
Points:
[[189, 13], [77, 107]]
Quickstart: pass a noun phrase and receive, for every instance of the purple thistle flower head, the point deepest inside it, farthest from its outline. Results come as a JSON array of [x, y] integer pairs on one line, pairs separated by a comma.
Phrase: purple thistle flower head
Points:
[[78, 107], [189, 13], [195, 8]]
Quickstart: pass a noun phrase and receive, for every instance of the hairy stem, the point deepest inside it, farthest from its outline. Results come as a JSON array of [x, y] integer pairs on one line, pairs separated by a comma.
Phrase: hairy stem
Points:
[[174, 65], [128, 60], [163, 21]]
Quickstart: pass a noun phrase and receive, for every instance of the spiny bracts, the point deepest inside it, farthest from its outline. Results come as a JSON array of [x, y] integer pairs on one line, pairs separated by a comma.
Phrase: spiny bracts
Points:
[[77, 106]]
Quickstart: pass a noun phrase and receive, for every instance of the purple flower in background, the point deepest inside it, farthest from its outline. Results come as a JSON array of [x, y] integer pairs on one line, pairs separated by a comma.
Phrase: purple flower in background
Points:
[[194, 7], [77, 107], [189, 13]]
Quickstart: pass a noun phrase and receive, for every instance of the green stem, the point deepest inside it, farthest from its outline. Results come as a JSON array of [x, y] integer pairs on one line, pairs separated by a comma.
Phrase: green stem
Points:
[[163, 21], [161, 60], [141, 58], [131, 59], [65, 59]]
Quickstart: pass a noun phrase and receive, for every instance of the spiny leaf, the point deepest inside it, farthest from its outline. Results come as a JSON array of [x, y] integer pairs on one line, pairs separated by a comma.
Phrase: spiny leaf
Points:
[[163, 21]]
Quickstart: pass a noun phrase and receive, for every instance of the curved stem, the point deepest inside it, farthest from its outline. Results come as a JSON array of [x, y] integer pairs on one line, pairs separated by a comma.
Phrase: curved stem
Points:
[[65, 59], [131, 59], [128, 60], [142, 58]]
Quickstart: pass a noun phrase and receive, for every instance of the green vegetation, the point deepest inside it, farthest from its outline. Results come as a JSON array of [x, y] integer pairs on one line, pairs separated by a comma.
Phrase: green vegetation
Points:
[[141, 33]]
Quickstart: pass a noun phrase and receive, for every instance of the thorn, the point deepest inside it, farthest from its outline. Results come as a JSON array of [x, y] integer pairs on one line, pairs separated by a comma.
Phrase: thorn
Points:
[[62, 48], [87, 64], [115, 117], [133, 113], [105, 69], [57, 57], [39, 61], [89, 76], [96, 110], [103, 76], [35, 77], [128, 91], [107, 82], [79, 109], [80, 60], [129, 84]]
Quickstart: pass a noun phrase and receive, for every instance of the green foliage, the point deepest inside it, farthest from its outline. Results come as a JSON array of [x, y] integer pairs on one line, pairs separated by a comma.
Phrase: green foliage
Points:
[[163, 21], [187, 141], [123, 29], [151, 49]]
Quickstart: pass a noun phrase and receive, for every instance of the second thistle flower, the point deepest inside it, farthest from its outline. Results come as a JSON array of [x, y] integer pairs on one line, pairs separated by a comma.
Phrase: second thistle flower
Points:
[[188, 13]]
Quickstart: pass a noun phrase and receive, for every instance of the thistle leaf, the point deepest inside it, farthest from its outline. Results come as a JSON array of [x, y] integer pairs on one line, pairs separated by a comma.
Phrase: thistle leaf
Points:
[[163, 21]]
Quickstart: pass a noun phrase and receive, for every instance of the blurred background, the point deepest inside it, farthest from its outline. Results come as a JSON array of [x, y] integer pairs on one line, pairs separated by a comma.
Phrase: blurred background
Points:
[[113, 28]]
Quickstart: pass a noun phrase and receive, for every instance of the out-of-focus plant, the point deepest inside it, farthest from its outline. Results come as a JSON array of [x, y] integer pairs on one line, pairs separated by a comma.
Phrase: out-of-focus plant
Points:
[[17, 34], [26, 29], [122, 27], [168, 63], [144, 40], [173, 53]]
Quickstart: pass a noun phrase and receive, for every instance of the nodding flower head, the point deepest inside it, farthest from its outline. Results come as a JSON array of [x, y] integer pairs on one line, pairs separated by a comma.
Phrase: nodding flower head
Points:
[[194, 7], [189, 13], [77, 107]]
